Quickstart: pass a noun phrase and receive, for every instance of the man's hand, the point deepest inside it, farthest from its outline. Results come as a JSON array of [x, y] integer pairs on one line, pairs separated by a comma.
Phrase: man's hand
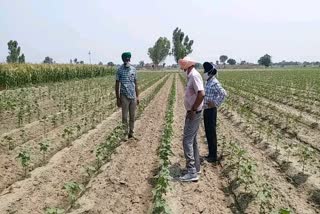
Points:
[[211, 104], [119, 102], [191, 114], [138, 100]]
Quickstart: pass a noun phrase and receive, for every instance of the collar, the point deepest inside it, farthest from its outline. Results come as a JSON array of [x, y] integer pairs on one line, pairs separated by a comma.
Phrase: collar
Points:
[[191, 72], [211, 79]]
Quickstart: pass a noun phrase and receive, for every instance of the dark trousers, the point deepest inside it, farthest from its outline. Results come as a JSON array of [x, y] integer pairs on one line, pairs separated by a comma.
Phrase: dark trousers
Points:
[[210, 124]]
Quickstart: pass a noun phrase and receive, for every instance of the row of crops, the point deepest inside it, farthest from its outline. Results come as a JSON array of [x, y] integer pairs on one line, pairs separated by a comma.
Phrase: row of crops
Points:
[[18, 75], [103, 154], [277, 114], [51, 117]]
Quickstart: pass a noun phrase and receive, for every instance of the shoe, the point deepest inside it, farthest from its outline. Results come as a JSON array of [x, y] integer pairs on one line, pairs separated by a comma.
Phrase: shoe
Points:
[[130, 136], [185, 171], [189, 177], [212, 160]]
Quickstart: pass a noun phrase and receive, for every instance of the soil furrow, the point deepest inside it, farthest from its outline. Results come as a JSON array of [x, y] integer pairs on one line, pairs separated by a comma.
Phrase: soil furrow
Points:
[[204, 196], [45, 186], [297, 198], [125, 183]]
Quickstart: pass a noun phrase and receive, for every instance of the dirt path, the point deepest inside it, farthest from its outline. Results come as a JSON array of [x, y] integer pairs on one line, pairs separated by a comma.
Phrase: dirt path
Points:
[[288, 195], [45, 186], [125, 183], [204, 196]]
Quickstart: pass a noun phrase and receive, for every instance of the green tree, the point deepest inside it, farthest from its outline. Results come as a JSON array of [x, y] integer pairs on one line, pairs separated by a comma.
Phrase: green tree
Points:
[[22, 59], [48, 60], [141, 64], [14, 53], [231, 61], [265, 60], [182, 45], [223, 59], [159, 52], [100, 63], [110, 64]]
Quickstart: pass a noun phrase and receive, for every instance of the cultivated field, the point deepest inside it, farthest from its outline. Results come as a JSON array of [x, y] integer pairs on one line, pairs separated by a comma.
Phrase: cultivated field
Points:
[[63, 149]]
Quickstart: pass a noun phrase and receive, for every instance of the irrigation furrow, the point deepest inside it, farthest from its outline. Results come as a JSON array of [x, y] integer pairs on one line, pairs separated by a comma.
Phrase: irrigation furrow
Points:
[[64, 166], [126, 179]]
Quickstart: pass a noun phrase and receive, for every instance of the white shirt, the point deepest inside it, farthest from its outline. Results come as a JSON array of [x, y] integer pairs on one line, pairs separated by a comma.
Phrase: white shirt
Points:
[[194, 85]]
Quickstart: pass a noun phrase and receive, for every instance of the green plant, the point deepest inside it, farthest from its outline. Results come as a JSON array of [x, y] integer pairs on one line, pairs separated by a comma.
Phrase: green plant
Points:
[[284, 211], [9, 141], [54, 120], [43, 122], [265, 196], [78, 128], [67, 134], [278, 142], [28, 112], [162, 179], [104, 151], [54, 211], [20, 115], [73, 189], [44, 146], [24, 158], [89, 170], [23, 135], [289, 148], [246, 172], [306, 154]]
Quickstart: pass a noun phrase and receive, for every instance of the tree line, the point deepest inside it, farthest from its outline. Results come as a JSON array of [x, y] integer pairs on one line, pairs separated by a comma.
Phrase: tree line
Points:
[[181, 47]]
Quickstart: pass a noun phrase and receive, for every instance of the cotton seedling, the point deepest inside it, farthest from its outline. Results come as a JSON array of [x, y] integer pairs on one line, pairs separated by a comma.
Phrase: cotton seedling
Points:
[[62, 117], [289, 148], [90, 170], [70, 109], [67, 134], [269, 132], [265, 198], [23, 135], [44, 147], [78, 128], [9, 141], [43, 123], [37, 108], [54, 211], [306, 155], [246, 171], [24, 158], [28, 112], [283, 211], [73, 189], [54, 120], [278, 142], [20, 115]]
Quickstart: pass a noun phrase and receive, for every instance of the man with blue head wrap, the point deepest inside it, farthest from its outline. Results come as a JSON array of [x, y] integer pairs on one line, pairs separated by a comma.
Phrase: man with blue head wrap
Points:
[[214, 97]]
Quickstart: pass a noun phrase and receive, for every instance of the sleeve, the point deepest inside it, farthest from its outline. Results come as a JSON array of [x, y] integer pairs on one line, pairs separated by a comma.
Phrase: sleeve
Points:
[[118, 75], [197, 84], [135, 75], [221, 94]]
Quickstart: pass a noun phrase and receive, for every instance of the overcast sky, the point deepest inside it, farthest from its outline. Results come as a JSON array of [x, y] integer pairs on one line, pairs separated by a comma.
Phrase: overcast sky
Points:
[[241, 29]]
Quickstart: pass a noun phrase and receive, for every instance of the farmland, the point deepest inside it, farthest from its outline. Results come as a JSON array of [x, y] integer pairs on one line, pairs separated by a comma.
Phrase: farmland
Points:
[[63, 149]]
